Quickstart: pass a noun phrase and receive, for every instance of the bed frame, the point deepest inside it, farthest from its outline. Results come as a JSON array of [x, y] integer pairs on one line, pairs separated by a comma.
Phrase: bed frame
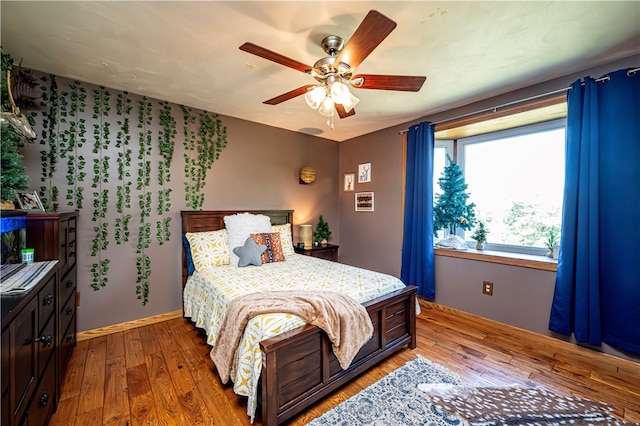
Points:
[[299, 367]]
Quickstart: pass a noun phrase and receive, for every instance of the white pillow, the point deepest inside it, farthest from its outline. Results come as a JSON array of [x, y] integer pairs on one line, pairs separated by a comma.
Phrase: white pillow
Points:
[[240, 227], [286, 239]]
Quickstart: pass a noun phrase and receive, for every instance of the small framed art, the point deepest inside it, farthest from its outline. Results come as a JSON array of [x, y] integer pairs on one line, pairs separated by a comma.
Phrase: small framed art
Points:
[[349, 181], [364, 173], [364, 201], [29, 200]]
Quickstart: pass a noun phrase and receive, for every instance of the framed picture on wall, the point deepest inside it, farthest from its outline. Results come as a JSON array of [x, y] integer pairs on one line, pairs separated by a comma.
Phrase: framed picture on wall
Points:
[[29, 200], [349, 181], [364, 173], [364, 201]]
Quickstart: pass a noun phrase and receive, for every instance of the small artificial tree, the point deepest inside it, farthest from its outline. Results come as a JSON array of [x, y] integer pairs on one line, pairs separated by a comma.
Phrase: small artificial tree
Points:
[[451, 209], [480, 233], [13, 174], [322, 231]]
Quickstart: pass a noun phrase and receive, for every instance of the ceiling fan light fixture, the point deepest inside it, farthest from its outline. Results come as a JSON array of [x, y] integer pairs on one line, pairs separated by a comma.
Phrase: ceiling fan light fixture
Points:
[[315, 96], [351, 103], [339, 92], [327, 107]]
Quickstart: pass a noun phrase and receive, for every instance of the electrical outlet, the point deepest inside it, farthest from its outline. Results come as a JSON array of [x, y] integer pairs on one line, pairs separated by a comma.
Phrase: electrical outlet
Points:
[[487, 288]]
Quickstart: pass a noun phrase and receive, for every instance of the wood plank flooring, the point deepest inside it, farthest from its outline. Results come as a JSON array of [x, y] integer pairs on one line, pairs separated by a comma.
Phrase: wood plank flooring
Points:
[[161, 374]]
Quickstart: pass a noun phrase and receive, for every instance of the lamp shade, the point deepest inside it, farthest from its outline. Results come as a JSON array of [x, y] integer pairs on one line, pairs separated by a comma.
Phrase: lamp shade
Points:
[[314, 97], [306, 236], [326, 107]]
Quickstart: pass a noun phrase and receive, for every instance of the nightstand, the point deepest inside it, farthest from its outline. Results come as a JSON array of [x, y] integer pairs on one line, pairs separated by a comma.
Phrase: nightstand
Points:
[[328, 252]]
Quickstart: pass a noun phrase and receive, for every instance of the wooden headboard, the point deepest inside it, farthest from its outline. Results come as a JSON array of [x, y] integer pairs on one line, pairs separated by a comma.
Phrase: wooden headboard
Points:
[[213, 220]]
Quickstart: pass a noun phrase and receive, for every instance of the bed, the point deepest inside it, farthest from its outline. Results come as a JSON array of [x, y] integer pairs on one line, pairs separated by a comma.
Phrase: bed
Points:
[[298, 367]]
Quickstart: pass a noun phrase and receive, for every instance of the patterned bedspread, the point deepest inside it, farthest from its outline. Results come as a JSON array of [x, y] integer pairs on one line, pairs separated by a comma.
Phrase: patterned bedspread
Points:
[[207, 296]]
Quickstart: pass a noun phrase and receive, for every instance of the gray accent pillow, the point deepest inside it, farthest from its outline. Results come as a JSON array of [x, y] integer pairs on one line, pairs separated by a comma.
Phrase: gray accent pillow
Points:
[[250, 253]]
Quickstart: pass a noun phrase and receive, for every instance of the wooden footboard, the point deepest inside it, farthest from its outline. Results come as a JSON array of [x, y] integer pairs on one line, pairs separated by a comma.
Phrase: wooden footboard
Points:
[[299, 367]]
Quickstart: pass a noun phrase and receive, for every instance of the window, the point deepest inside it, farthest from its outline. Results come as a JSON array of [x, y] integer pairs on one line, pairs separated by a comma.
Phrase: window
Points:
[[516, 179]]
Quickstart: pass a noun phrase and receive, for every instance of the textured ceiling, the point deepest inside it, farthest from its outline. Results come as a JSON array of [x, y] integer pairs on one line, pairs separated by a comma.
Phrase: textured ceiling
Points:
[[187, 52]]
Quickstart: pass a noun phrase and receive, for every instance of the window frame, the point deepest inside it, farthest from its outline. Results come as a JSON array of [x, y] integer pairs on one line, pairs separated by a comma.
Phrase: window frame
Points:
[[456, 150]]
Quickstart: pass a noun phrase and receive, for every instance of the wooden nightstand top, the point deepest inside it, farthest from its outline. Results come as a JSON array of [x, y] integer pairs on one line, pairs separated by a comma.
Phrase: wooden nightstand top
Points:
[[327, 251]]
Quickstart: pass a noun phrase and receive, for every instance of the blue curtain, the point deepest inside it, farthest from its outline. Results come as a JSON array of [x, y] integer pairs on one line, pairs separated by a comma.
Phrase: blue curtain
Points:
[[597, 292], [417, 242]]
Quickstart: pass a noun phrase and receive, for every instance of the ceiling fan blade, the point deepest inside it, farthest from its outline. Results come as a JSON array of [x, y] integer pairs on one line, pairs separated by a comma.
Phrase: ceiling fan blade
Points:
[[275, 57], [372, 30], [404, 83], [289, 95], [343, 112]]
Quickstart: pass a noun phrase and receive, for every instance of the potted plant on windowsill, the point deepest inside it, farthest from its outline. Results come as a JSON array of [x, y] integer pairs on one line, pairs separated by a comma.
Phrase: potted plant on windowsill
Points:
[[322, 233], [480, 235], [553, 242]]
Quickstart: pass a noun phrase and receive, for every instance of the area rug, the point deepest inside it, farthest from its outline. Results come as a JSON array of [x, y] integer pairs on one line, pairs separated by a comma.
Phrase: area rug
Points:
[[395, 400], [518, 405], [422, 393]]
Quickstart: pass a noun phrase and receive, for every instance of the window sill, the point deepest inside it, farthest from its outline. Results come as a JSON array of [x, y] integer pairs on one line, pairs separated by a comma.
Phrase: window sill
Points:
[[504, 258]]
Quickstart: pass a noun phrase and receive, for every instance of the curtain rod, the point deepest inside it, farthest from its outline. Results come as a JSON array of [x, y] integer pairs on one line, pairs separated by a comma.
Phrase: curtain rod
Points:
[[630, 73]]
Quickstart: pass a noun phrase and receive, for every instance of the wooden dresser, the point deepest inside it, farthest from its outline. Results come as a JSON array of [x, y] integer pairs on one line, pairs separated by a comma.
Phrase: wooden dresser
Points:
[[30, 386], [53, 237]]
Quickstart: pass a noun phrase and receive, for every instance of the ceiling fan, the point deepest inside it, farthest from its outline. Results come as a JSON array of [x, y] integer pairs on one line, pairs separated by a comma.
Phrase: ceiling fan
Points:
[[334, 73]]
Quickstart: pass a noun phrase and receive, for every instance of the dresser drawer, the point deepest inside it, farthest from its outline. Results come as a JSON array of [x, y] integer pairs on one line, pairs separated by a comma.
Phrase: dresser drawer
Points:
[[67, 341], [45, 397], [46, 344], [71, 244], [46, 302], [67, 287], [67, 314]]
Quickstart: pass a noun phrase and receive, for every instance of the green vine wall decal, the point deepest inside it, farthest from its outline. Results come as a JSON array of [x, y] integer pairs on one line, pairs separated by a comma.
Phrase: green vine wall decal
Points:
[[71, 160], [166, 145], [123, 191], [143, 261], [75, 140], [49, 158], [202, 149], [101, 133]]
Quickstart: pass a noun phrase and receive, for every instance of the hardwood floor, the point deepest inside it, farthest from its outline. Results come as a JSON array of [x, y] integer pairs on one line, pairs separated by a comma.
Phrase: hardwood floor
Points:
[[162, 374]]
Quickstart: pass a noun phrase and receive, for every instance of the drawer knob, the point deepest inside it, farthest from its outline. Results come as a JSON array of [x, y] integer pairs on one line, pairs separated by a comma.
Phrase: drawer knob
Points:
[[69, 337], [46, 340], [69, 311], [69, 284], [48, 299], [44, 399]]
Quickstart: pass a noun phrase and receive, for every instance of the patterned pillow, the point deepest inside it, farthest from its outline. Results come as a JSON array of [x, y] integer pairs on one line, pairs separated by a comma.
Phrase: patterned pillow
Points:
[[286, 239], [273, 253], [209, 249], [241, 226]]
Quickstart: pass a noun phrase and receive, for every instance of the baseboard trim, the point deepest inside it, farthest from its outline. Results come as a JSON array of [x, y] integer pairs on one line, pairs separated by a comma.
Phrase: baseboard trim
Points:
[[116, 328]]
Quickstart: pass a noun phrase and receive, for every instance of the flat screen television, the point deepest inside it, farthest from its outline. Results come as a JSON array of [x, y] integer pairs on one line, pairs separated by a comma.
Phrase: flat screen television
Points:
[[13, 233]]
